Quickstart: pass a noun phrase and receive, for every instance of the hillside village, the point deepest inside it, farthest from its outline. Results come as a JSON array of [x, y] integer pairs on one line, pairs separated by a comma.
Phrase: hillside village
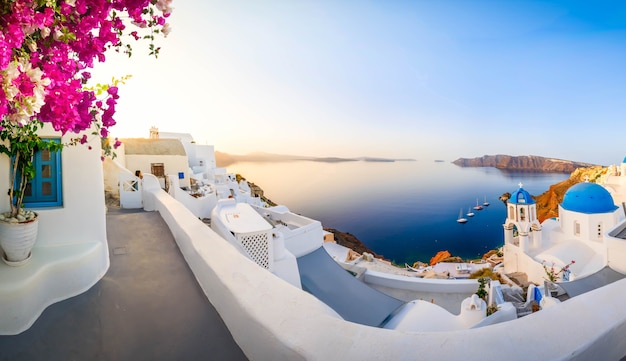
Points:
[[263, 266]]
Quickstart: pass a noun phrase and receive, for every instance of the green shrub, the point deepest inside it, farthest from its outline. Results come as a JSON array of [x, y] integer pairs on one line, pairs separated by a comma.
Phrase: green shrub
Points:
[[482, 292], [491, 309], [486, 272]]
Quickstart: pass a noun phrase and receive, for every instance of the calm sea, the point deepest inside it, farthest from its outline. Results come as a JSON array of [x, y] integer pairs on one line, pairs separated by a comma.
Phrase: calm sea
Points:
[[405, 211]]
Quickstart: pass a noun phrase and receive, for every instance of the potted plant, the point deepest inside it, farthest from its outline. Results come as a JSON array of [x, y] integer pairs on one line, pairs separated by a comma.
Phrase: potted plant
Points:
[[18, 227], [47, 48]]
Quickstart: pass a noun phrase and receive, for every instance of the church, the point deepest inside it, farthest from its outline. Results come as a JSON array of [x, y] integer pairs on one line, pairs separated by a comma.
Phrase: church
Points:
[[587, 237]]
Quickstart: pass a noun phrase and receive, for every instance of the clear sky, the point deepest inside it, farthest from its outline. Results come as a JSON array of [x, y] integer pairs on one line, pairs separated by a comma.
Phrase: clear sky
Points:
[[425, 79]]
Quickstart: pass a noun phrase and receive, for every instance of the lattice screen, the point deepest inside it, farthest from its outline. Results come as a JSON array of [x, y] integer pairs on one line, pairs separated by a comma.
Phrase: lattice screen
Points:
[[257, 246], [131, 185]]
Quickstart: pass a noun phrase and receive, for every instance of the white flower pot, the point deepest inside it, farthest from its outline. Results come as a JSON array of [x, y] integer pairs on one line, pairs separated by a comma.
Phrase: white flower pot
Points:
[[17, 239]]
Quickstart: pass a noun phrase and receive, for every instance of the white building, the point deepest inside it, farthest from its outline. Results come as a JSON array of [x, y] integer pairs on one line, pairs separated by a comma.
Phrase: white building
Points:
[[615, 182], [71, 252], [580, 233], [159, 157]]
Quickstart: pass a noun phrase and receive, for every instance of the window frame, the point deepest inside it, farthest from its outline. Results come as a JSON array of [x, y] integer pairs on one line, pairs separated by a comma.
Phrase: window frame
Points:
[[37, 199]]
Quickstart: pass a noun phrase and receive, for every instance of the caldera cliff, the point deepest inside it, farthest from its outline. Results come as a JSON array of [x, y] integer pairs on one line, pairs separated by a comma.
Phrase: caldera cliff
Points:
[[526, 163], [548, 202]]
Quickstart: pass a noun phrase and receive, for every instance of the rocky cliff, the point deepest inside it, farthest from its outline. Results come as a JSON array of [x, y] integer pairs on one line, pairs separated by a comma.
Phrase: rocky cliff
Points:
[[548, 202], [349, 240], [528, 163]]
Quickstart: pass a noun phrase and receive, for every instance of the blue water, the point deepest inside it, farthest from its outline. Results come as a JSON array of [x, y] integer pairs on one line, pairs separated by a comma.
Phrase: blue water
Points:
[[405, 211]]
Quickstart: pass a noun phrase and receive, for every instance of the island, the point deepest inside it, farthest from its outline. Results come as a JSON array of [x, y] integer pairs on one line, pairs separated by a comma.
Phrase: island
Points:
[[224, 159], [524, 163]]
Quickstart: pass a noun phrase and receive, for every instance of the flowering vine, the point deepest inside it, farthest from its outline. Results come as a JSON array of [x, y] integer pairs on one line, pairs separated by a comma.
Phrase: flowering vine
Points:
[[47, 48], [552, 273]]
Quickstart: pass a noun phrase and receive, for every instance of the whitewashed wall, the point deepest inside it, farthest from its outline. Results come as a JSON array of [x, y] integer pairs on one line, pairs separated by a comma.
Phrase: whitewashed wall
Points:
[[111, 173], [82, 216], [616, 248], [441, 292], [206, 154], [200, 207], [272, 320], [172, 164], [71, 253]]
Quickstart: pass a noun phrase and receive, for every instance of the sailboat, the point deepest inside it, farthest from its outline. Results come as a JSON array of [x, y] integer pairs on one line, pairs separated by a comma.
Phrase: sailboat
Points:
[[478, 207], [469, 212], [485, 203], [461, 219]]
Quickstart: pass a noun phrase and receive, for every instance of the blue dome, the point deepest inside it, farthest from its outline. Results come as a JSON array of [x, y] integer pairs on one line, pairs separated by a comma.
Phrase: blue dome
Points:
[[520, 196], [589, 198], [624, 161]]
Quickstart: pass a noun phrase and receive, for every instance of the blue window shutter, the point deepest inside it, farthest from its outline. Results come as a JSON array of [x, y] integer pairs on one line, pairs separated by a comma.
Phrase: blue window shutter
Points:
[[45, 189]]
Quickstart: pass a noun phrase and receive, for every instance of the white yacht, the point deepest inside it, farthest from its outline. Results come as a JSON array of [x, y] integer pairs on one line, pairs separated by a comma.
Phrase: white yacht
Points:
[[469, 212], [461, 219]]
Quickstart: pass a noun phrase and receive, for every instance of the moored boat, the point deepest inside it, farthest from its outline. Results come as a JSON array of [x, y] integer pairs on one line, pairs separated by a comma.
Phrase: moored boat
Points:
[[461, 219], [478, 207]]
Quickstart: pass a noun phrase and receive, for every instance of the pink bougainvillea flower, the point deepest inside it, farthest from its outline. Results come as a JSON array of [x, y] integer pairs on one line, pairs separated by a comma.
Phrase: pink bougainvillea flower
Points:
[[47, 48]]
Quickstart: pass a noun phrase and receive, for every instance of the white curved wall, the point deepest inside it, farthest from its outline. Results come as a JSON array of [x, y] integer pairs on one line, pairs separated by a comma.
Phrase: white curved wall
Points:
[[112, 169], [448, 294], [272, 320]]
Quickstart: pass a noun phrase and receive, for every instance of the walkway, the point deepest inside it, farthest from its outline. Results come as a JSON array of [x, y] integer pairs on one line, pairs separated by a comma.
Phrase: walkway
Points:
[[147, 307]]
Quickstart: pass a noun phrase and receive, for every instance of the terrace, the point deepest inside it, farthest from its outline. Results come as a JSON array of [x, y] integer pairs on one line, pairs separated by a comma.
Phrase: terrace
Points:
[[148, 306]]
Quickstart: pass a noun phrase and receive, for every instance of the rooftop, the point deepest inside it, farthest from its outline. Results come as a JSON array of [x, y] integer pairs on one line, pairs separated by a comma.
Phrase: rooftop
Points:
[[141, 146], [588, 198], [521, 196], [148, 306]]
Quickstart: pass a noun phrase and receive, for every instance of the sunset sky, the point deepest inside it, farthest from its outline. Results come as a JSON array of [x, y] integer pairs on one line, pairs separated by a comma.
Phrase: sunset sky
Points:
[[406, 79]]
